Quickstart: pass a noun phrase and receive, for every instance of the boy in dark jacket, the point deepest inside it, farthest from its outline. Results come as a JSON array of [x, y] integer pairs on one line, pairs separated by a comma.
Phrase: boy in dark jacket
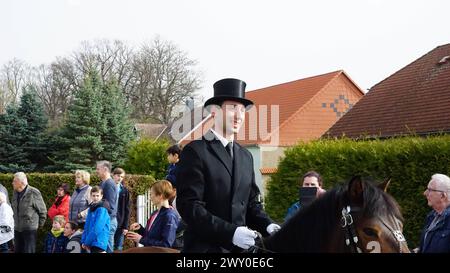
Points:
[[173, 156]]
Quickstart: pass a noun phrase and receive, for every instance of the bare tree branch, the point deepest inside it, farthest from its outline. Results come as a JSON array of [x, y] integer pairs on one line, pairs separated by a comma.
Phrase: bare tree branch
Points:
[[13, 76]]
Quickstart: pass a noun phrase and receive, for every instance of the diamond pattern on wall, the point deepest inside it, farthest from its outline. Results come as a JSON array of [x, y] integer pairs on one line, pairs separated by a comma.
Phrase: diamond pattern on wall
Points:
[[340, 105]]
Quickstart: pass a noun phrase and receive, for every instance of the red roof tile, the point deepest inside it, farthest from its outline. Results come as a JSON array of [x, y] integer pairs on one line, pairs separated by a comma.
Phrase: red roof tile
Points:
[[415, 99], [292, 98], [291, 95], [268, 170]]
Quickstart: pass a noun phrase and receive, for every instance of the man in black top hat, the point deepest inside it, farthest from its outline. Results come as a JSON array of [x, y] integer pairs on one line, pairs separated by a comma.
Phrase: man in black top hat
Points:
[[217, 193]]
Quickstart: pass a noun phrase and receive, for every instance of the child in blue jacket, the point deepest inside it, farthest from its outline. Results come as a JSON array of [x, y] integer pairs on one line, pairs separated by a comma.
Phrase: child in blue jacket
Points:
[[96, 229]]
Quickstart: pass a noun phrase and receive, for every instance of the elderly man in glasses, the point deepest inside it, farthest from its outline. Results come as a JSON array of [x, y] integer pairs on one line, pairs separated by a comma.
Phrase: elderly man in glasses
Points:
[[436, 233]]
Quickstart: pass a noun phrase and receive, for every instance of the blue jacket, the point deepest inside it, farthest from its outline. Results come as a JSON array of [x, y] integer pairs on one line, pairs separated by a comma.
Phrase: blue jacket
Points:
[[292, 210], [171, 174], [438, 238], [163, 230], [96, 229], [55, 244]]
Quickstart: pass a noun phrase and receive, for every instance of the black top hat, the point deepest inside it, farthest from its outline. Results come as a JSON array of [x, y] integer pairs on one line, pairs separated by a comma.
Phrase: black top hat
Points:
[[229, 89]]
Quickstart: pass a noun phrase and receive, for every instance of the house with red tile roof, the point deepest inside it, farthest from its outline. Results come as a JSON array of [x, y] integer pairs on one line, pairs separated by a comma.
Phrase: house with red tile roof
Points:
[[306, 109], [285, 114], [413, 100]]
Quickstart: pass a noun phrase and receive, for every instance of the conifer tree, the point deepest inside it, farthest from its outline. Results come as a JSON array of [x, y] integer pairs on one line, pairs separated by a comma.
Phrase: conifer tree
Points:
[[81, 137], [23, 135], [12, 155], [119, 129], [96, 128], [34, 138]]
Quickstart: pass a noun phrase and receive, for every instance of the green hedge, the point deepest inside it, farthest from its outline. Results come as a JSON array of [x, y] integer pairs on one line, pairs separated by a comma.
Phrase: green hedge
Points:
[[409, 161], [47, 184]]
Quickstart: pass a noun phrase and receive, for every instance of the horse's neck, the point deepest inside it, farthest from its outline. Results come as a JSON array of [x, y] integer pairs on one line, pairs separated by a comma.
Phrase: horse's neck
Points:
[[286, 241], [305, 233], [276, 242]]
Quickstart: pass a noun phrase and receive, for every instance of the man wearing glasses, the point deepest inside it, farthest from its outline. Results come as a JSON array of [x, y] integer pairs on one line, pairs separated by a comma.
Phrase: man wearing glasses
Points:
[[436, 233]]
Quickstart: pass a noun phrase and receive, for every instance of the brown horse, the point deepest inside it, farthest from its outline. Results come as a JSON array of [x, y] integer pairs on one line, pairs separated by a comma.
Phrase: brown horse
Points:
[[355, 217]]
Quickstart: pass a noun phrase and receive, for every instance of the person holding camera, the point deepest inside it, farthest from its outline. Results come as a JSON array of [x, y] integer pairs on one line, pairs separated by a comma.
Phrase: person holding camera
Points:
[[310, 179]]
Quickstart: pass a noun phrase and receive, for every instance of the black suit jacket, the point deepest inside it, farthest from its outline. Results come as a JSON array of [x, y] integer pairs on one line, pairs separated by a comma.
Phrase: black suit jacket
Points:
[[215, 196]]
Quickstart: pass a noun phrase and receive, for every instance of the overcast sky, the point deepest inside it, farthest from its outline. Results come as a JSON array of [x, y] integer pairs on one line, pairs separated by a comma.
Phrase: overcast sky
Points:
[[261, 42]]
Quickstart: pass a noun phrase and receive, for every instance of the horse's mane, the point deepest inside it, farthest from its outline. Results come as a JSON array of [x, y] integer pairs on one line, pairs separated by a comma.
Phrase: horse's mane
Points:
[[310, 229]]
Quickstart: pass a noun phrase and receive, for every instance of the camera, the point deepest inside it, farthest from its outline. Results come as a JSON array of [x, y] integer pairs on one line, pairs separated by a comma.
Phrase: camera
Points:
[[307, 195]]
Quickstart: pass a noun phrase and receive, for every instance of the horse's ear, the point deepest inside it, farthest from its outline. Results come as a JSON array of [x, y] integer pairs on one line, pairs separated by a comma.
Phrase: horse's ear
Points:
[[385, 184], [356, 191]]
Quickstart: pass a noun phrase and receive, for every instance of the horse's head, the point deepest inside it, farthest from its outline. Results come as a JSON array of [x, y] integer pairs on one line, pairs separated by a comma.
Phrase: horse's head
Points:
[[377, 222], [355, 217]]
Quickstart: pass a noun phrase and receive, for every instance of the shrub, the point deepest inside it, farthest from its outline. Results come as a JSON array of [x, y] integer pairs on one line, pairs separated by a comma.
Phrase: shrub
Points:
[[147, 156]]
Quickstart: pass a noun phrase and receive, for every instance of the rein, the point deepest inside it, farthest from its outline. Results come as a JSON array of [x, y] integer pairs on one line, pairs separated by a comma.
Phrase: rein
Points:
[[259, 245]]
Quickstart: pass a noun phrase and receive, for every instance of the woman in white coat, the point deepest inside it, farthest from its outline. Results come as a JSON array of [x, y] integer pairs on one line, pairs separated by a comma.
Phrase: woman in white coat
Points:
[[6, 224]]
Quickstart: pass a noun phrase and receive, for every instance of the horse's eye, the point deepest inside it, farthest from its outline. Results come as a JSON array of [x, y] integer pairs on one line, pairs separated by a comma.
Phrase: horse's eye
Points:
[[370, 232]]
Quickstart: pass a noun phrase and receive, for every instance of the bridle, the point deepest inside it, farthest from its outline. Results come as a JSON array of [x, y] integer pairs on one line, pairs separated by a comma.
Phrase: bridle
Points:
[[350, 235], [398, 235], [348, 225]]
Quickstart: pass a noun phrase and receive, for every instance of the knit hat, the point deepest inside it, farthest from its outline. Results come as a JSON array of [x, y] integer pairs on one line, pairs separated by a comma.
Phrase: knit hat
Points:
[[60, 219]]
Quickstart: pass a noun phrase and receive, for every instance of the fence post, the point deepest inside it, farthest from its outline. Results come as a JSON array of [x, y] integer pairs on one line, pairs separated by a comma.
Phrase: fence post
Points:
[[144, 209], [141, 209], [140, 214]]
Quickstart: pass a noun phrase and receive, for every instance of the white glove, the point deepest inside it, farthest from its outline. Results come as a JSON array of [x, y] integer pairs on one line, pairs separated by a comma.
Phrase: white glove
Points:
[[244, 237], [272, 228]]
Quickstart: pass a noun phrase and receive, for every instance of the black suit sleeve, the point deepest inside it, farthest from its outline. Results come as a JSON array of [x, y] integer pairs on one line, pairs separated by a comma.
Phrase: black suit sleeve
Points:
[[256, 217], [190, 201]]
